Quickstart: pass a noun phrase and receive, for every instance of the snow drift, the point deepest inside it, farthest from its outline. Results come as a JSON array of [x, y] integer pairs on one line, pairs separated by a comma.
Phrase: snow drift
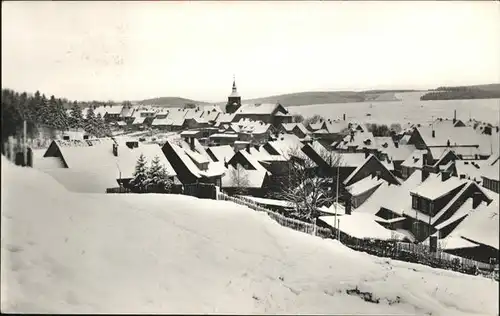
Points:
[[65, 252]]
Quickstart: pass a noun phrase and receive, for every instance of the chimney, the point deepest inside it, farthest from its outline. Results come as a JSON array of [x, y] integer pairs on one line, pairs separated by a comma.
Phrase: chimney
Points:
[[191, 143], [433, 133], [476, 199], [454, 116], [448, 143], [343, 116], [115, 150], [445, 175]]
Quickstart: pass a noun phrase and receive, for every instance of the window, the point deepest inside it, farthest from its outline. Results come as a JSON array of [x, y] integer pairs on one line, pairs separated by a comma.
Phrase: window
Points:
[[415, 203], [425, 205]]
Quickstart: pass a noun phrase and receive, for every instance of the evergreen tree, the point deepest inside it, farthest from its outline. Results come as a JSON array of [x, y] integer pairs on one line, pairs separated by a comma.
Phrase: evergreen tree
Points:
[[140, 181], [76, 116], [60, 117], [44, 111], [91, 124], [158, 177]]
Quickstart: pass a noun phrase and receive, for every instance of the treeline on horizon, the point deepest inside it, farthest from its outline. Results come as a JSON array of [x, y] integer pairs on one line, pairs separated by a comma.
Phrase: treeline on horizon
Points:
[[460, 93], [39, 111]]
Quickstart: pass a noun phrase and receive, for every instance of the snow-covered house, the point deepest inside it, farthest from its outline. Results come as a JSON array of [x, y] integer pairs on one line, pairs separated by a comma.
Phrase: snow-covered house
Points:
[[295, 128], [417, 206], [220, 153], [192, 166], [464, 140], [274, 114], [246, 173], [472, 232], [97, 164]]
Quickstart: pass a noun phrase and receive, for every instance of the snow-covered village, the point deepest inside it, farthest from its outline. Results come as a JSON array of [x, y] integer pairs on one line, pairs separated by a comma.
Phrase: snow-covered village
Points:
[[370, 193]]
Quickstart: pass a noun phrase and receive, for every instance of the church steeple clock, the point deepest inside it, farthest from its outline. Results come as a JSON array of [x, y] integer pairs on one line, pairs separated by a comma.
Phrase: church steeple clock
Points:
[[234, 99]]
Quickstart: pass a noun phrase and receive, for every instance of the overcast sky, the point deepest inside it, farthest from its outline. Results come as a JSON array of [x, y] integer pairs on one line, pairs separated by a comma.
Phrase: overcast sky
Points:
[[136, 50]]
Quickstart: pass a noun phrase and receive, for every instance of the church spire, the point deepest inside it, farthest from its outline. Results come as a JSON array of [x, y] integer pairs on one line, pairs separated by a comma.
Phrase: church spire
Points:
[[234, 83]]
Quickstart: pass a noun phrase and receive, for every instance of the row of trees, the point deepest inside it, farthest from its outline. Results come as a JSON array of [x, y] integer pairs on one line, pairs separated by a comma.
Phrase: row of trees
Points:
[[382, 130], [38, 110], [153, 179], [460, 93]]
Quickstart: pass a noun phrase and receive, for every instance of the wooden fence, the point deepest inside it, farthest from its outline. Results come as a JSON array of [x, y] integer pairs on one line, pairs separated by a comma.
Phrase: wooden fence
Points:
[[416, 253], [118, 190], [295, 224]]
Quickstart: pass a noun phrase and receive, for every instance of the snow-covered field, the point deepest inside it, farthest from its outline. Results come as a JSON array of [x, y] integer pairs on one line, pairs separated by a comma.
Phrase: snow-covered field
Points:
[[410, 109], [65, 252]]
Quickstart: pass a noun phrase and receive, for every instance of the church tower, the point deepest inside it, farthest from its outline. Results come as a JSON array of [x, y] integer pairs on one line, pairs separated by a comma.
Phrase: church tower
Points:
[[234, 99]]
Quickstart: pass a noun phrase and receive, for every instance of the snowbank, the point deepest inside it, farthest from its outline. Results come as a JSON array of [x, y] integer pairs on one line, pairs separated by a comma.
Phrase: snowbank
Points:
[[65, 252]]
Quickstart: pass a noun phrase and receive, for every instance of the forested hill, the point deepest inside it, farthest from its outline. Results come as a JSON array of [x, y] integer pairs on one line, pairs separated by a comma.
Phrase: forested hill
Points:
[[489, 91], [38, 110]]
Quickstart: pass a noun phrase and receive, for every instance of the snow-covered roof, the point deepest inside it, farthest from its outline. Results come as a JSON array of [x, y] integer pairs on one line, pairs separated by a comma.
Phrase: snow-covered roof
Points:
[[162, 122], [335, 208], [100, 156], [481, 225], [361, 139], [415, 160], [193, 113], [138, 120], [491, 172], [355, 172], [225, 117], [400, 153], [364, 185], [353, 160], [462, 211], [248, 178], [468, 168], [246, 125], [335, 127], [222, 153], [223, 135], [290, 126], [199, 159], [433, 187], [456, 242], [361, 226], [285, 144], [190, 133], [252, 160], [190, 165], [463, 136], [265, 108]]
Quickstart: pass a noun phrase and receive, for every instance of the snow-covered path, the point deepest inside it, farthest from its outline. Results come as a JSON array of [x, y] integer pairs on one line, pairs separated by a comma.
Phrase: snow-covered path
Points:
[[64, 252]]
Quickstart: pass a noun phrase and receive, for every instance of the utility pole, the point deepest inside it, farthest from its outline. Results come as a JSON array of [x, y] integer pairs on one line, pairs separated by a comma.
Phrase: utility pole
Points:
[[25, 144], [337, 200]]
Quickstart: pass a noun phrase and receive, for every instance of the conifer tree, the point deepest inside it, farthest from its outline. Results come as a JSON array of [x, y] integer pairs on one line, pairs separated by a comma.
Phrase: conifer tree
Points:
[[158, 177], [91, 124], [140, 181], [61, 117], [76, 116]]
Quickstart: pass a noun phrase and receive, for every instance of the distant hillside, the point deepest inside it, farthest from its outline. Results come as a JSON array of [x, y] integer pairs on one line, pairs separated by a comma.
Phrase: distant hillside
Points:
[[171, 102], [487, 91]]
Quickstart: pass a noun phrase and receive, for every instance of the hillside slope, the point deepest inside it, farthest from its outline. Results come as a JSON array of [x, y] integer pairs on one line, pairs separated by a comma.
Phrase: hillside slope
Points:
[[170, 102], [65, 252]]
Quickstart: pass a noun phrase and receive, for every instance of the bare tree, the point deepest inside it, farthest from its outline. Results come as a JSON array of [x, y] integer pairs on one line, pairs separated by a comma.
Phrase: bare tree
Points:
[[304, 187], [239, 179]]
